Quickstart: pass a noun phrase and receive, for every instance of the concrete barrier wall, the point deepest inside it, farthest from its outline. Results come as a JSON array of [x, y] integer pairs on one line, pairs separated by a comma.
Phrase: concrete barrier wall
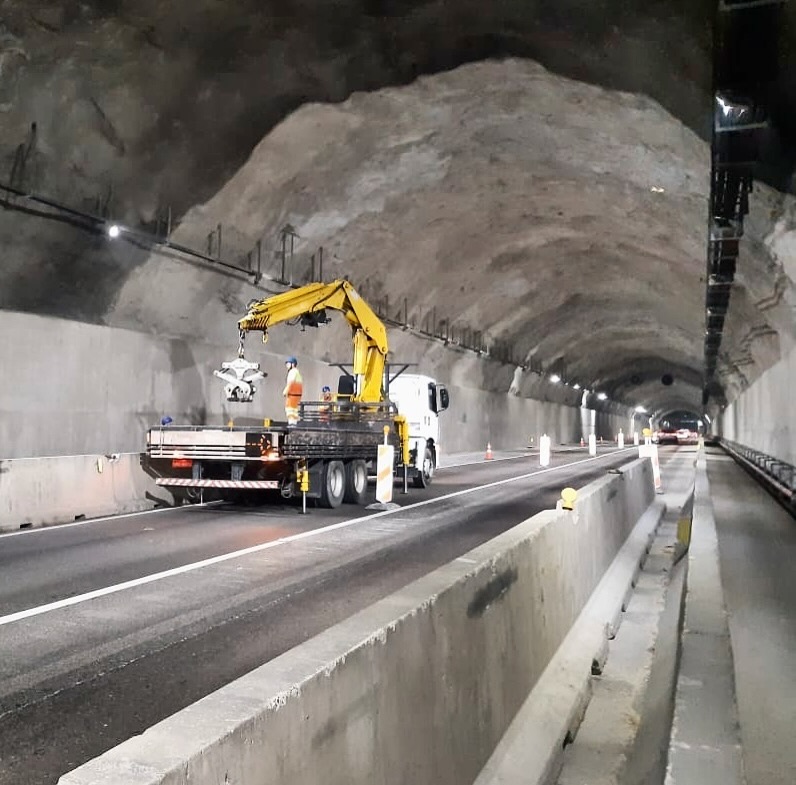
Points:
[[419, 687], [41, 491]]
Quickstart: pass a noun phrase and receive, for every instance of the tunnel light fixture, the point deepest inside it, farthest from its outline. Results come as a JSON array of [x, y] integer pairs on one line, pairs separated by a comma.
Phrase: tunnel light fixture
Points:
[[114, 230], [640, 410], [601, 396], [555, 378], [576, 386], [656, 189]]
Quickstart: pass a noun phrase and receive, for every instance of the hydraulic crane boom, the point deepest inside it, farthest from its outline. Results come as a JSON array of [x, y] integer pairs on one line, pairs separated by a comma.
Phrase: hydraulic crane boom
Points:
[[308, 305]]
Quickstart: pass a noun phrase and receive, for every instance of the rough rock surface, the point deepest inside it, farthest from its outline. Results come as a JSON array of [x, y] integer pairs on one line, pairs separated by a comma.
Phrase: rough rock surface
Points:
[[513, 201], [499, 194]]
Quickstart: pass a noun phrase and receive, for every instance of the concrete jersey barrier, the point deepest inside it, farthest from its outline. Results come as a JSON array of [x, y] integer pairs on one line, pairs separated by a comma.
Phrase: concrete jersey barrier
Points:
[[417, 688], [42, 491]]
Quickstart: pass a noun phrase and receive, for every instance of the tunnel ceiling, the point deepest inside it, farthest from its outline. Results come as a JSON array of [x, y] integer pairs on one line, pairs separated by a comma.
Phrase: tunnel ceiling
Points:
[[555, 199]]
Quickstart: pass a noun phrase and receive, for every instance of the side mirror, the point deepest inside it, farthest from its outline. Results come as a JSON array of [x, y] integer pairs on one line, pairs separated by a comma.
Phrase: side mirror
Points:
[[444, 398]]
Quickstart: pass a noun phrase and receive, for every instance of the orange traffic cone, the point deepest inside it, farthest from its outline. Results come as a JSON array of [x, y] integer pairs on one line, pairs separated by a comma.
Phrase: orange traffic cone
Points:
[[488, 456]]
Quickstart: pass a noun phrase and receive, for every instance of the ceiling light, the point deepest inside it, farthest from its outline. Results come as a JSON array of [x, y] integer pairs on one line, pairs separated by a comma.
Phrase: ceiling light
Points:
[[641, 410], [114, 231], [576, 386], [602, 396], [555, 378], [656, 189]]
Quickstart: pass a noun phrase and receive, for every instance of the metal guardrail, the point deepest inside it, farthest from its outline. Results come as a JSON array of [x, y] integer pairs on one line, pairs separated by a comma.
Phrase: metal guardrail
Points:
[[778, 476], [342, 411]]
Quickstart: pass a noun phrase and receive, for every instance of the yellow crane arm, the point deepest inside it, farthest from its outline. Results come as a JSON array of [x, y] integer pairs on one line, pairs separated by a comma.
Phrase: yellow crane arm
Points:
[[308, 304]]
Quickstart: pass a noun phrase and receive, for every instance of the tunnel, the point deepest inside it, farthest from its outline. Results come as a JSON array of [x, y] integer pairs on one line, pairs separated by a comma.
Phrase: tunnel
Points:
[[578, 219]]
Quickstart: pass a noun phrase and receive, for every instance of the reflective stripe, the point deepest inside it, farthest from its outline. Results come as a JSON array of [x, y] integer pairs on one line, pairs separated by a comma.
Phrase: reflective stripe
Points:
[[190, 483]]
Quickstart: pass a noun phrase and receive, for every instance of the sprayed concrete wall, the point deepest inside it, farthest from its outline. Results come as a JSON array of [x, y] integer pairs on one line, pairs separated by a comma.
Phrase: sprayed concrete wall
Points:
[[764, 416], [417, 688], [72, 388]]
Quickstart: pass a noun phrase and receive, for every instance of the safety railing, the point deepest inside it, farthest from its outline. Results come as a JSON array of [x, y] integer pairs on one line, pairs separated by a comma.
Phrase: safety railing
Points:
[[778, 476], [341, 410]]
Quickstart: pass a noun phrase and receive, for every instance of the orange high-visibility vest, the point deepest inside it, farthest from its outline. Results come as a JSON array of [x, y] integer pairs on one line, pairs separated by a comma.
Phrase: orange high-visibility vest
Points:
[[294, 388]]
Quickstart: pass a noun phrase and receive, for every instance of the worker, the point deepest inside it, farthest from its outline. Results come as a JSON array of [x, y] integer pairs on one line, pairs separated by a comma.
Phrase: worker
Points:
[[294, 389], [326, 397]]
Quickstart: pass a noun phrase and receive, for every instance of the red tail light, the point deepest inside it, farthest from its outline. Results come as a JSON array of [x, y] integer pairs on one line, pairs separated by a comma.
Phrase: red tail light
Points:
[[181, 463]]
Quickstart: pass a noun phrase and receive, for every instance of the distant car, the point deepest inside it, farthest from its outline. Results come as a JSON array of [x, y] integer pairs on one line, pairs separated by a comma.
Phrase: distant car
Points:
[[667, 436]]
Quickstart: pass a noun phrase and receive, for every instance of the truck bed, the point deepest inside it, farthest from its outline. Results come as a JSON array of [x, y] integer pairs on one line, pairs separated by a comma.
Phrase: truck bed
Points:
[[330, 431]]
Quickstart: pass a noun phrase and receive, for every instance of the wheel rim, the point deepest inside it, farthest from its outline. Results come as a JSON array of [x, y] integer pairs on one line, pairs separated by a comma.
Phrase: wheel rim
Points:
[[360, 478], [336, 482]]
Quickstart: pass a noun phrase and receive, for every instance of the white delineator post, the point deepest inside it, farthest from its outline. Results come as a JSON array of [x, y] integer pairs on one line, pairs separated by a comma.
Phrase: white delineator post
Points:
[[544, 450], [650, 450], [635, 438], [620, 440], [385, 462], [592, 444]]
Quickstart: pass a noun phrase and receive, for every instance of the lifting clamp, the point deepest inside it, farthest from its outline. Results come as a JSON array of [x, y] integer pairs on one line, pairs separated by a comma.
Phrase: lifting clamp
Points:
[[240, 375]]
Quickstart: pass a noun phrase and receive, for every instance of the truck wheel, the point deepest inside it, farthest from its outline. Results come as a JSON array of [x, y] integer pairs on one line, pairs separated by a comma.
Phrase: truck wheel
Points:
[[356, 482], [425, 475], [332, 484]]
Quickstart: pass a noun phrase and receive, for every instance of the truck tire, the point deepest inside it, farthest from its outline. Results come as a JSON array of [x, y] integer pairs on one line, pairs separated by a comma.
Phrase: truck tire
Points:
[[356, 482], [425, 474], [333, 481]]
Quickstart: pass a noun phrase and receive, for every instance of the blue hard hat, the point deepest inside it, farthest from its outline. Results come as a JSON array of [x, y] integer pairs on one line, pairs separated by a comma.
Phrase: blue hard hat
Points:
[[292, 361], [326, 388]]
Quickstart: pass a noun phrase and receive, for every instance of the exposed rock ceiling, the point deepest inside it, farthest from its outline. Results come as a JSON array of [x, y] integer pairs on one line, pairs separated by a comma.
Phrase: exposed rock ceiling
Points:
[[514, 197]]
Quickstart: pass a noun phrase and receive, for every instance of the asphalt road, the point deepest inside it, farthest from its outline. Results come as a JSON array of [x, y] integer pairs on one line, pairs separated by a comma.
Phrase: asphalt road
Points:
[[86, 662]]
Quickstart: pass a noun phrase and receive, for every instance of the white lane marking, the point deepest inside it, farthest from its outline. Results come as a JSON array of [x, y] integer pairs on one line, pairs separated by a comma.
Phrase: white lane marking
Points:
[[483, 460], [533, 453], [157, 576], [58, 526]]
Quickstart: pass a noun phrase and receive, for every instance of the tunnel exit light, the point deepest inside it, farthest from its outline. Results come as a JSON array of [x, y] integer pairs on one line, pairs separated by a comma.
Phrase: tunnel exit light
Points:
[[114, 231]]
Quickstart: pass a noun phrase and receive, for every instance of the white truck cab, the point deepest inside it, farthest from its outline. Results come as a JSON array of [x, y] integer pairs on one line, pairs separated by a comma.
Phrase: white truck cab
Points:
[[421, 400]]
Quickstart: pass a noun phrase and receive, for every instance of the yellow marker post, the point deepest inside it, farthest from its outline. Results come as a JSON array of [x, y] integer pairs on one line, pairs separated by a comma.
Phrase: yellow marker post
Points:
[[568, 498], [684, 524], [303, 478]]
